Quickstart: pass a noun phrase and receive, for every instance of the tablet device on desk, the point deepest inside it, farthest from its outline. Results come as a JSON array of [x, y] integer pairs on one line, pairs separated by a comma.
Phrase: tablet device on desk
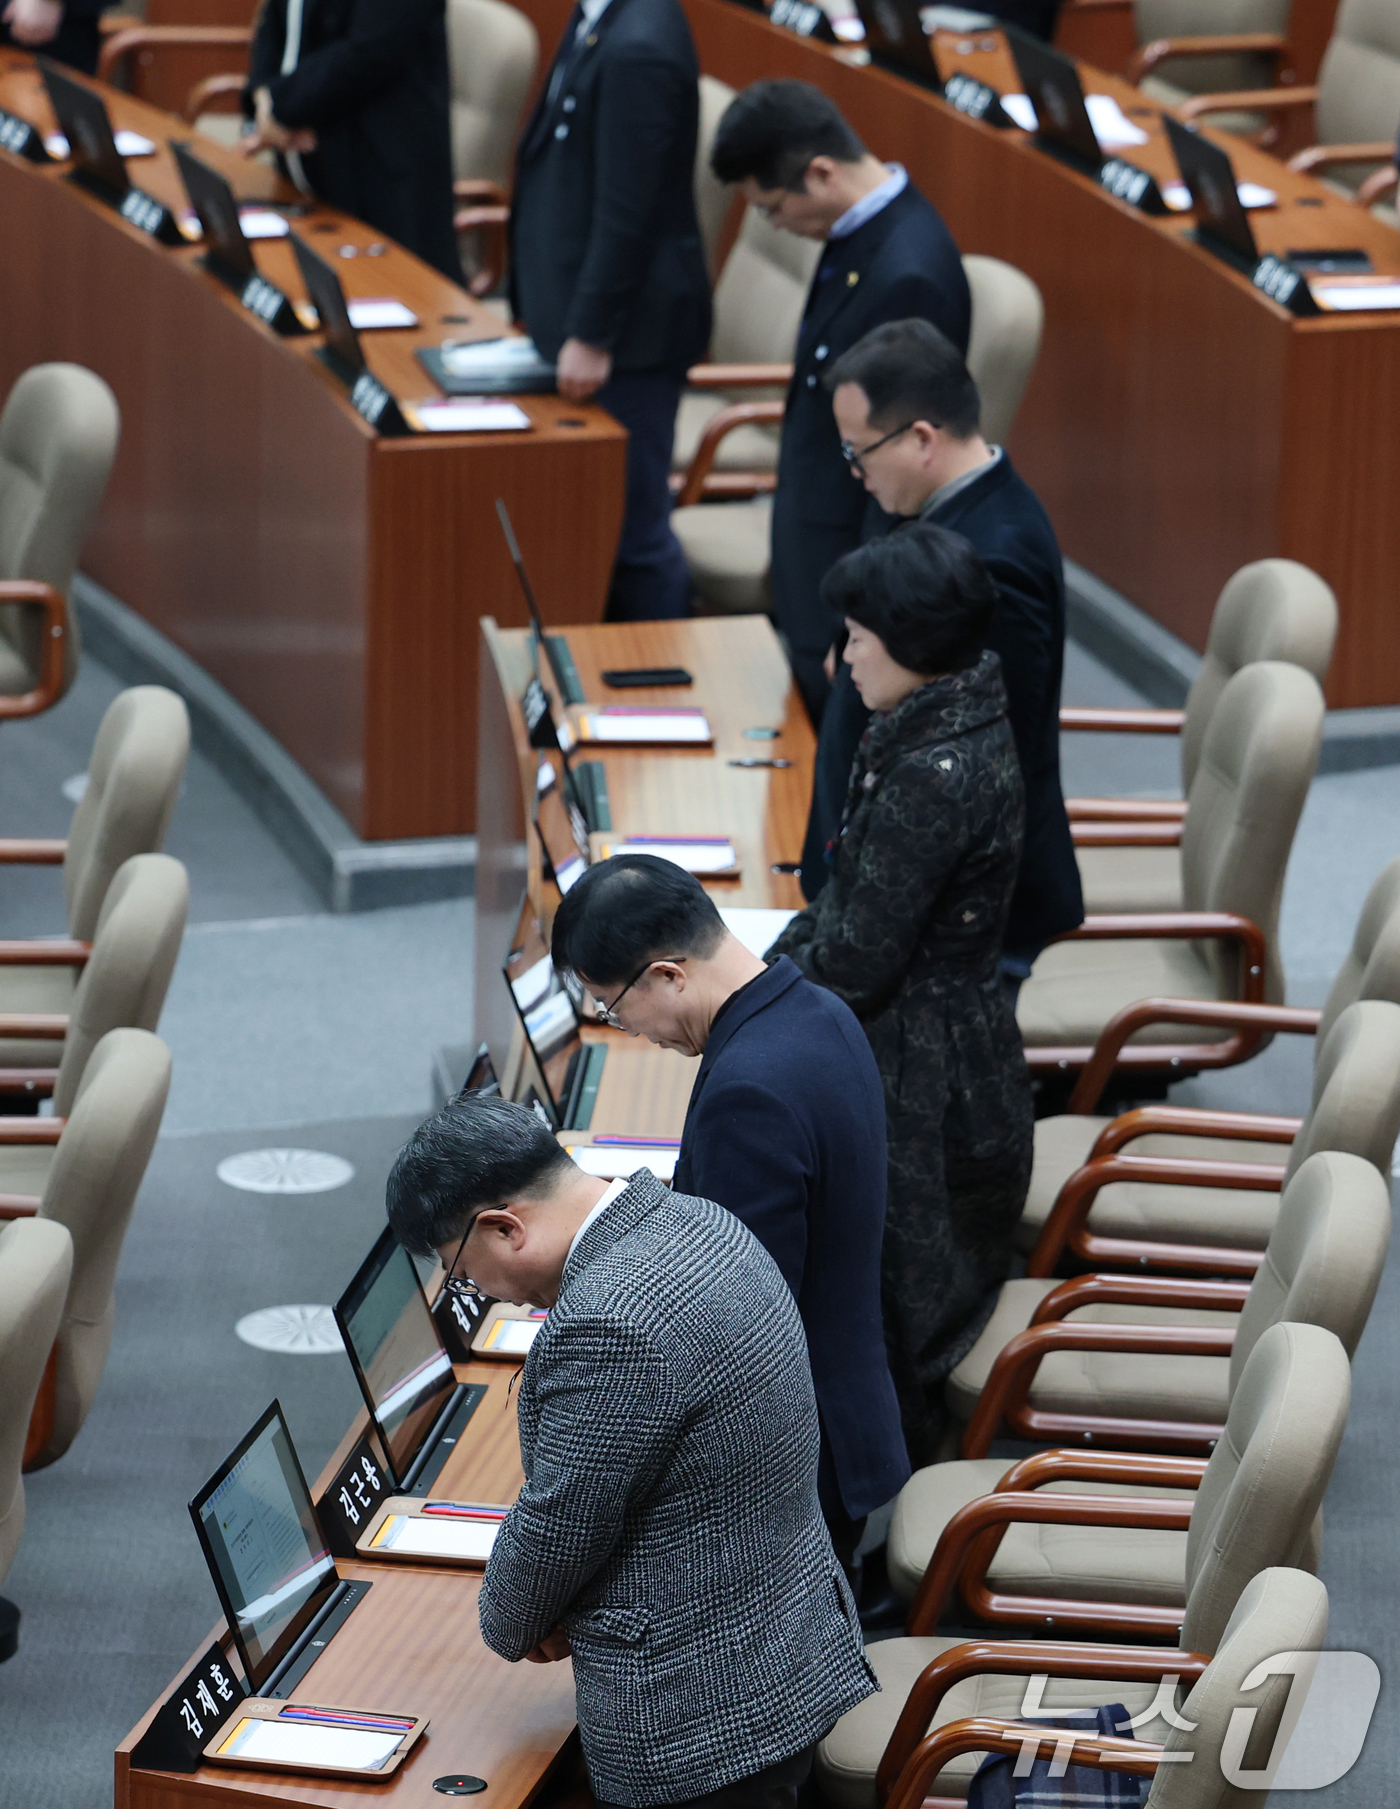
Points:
[[1057, 94], [83, 116], [342, 350], [548, 1011], [561, 661], [274, 1575], [402, 1366], [895, 35], [482, 1076], [1222, 225], [228, 255]]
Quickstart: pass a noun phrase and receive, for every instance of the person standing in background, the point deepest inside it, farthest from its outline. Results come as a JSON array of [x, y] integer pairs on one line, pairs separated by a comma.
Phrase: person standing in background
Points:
[[354, 97], [887, 256], [65, 30], [607, 270]]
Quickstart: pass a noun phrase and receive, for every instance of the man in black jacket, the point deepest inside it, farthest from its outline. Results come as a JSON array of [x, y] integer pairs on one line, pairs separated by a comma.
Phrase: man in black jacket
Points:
[[907, 409], [607, 268], [888, 256], [785, 1128], [354, 96]]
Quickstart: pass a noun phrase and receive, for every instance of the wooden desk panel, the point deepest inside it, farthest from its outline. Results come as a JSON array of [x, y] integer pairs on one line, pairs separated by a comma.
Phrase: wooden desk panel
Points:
[[332, 580]]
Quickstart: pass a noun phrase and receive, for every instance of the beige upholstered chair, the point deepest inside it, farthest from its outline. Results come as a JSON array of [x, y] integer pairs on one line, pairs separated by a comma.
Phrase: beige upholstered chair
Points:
[[1274, 609], [1191, 47], [58, 438], [1355, 102], [727, 544], [98, 1165], [1089, 1566], [133, 781], [1257, 762], [494, 51], [972, 1694], [36, 1264], [1065, 1143]]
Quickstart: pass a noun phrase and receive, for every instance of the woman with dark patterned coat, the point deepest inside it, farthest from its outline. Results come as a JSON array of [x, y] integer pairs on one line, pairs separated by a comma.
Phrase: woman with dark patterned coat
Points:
[[908, 932]]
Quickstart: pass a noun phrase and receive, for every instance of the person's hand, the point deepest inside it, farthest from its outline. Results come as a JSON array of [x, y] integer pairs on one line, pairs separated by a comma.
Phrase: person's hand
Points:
[[829, 664], [33, 21], [553, 1646], [269, 133], [582, 370]]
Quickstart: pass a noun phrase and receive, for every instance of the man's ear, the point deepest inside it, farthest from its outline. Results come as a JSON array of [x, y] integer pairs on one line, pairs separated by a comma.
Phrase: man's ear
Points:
[[929, 437], [818, 174], [502, 1222]]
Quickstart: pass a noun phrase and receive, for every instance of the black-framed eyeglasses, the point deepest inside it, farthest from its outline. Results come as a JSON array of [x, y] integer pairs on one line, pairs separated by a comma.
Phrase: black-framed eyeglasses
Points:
[[607, 1014], [462, 1287], [856, 455]]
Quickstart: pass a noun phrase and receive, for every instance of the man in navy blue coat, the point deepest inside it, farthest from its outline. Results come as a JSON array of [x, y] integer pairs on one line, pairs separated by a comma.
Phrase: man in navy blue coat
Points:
[[785, 1128], [887, 256]]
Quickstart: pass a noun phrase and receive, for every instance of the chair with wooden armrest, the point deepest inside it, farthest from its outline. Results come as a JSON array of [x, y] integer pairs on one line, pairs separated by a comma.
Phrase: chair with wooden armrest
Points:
[[36, 1266], [1191, 47], [493, 52], [1272, 609], [58, 438], [1034, 1551], [944, 1702], [147, 43], [1355, 102], [1257, 762], [1064, 1143], [99, 1161]]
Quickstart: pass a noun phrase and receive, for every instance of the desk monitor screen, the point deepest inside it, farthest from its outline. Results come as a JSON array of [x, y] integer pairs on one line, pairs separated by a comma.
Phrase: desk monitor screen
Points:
[[213, 200], [894, 34], [82, 116], [403, 1369], [328, 299], [263, 1546], [1221, 222], [1057, 94], [560, 826], [538, 634], [546, 1010], [482, 1076]]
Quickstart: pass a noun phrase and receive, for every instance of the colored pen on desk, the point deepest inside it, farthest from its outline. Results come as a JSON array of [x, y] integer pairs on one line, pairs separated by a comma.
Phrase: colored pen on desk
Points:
[[464, 1510], [389, 1724], [615, 1139], [752, 762]]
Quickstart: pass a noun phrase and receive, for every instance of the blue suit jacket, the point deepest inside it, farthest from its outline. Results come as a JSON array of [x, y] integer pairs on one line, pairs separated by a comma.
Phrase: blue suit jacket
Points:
[[786, 1128]]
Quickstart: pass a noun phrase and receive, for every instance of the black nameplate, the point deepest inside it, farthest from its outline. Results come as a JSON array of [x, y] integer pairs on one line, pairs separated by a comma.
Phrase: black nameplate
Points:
[[976, 100], [373, 403], [190, 1716], [458, 1322], [1128, 183], [1285, 285], [348, 1505], [539, 720], [24, 140], [150, 216], [802, 17], [267, 302]]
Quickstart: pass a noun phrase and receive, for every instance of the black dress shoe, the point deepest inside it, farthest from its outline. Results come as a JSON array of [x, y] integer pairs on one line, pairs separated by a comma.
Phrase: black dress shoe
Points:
[[9, 1629]]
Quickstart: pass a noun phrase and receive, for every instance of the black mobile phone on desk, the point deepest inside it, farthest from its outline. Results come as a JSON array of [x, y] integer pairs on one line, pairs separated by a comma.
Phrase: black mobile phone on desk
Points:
[[647, 675], [1336, 261]]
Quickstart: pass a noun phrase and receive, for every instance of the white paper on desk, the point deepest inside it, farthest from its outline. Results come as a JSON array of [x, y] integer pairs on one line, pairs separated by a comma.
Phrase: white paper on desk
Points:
[[262, 223], [129, 144], [1112, 127], [298, 1743], [380, 311], [439, 1535], [757, 930], [1252, 194], [614, 1162], [702, 855], [647, 725], [472, 417], [1348, 298], [512, 355], [513, 1336]]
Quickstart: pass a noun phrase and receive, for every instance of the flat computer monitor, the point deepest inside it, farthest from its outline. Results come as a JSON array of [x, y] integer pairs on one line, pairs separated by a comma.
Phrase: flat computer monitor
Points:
[[895, 37], [563, 834], [481, 1077], [227, 252], [400, 1362], [342, 347], [1057, 94], [274, 1575], [82, 115], [548, 1010], [555, 646], [1222, 225]]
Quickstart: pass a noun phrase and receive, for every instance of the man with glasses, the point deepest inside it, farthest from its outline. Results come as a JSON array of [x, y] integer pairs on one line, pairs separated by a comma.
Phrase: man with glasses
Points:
[[785, 1128], [887, 255], [668, 1536]]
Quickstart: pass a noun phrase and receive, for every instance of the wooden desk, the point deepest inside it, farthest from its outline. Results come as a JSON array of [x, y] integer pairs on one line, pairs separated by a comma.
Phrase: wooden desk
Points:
[[742, 681], [331, 579]]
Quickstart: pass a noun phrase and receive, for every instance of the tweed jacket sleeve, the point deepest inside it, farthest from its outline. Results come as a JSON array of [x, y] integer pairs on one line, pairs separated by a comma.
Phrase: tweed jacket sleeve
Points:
[[608, 1419]]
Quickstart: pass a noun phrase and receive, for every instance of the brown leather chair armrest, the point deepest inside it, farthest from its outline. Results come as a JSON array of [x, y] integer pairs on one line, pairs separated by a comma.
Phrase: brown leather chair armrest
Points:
[[1122, 722], [477, 188], [1040, 1467], [1321, 156], [981, 1733], [1005, 1397], [59, 953], [35, 1025], [1138, 1290], [1252, 1018], [1190, 926], [30, 851], [1068, 1223], [737, 414], [1126, 810], [1126, 835], [19, 1205], [212, 88], [25, 1131], [1192, 1121], [28, 594], [1234, 43], [738, 376], [1374, 187], [491, 224], [154, 37], [1247, 100]]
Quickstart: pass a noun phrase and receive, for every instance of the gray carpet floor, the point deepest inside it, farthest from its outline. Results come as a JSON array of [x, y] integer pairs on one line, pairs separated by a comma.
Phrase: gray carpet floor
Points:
[[289, 1026]]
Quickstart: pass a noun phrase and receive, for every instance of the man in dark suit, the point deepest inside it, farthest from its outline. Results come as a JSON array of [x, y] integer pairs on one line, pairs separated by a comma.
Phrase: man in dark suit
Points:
[[356, 103], [888, 256], [785, 1127], [65, 30], [668, 1536], [907, 408], [607, 268]]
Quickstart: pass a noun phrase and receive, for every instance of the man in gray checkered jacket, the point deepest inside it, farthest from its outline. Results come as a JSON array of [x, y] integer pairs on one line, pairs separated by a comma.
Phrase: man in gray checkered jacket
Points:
[[668, 1534]]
